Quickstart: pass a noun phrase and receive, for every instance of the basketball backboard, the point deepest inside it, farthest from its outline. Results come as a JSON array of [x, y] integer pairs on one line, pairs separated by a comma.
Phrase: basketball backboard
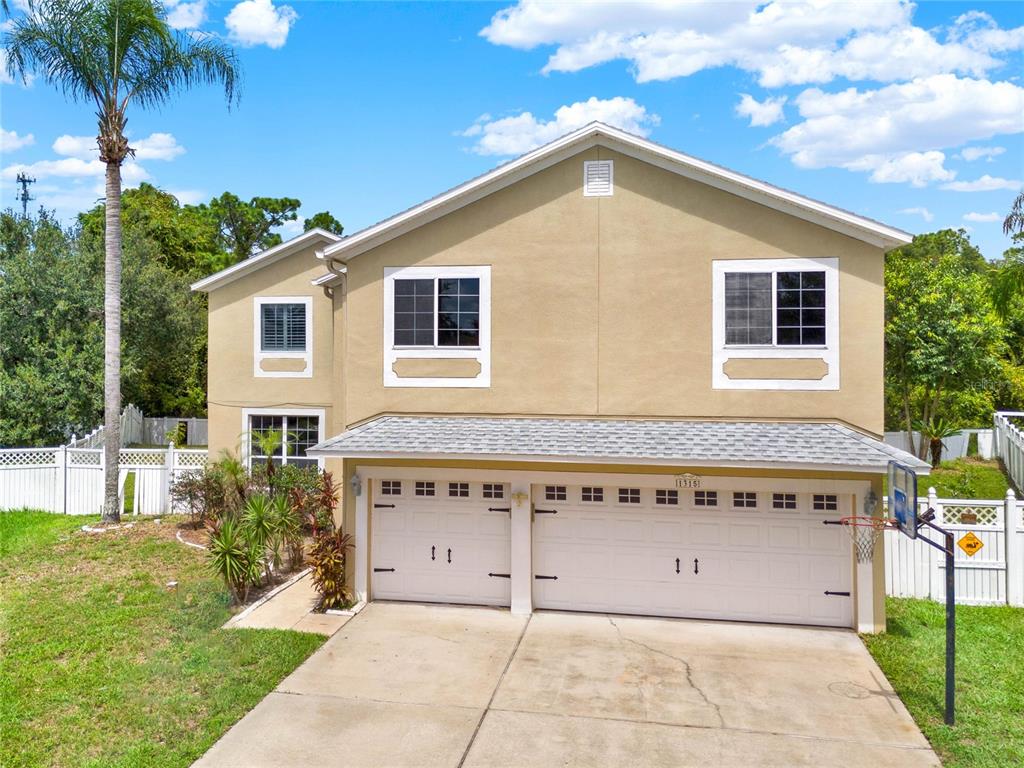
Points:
[[903, 498]]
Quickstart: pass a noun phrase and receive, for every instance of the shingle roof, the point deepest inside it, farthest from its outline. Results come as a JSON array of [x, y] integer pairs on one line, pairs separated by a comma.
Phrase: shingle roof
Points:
[[706, 443]]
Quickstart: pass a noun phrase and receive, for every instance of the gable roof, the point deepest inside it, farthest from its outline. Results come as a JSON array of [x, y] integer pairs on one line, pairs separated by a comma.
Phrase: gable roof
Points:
[[795, 445], [845, 222], [265, 258]]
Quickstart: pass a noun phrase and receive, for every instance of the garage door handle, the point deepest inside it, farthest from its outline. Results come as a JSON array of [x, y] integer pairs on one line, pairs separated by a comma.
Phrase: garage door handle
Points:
[[449, 555], [837, 594], [433, 553], [696, 565], [677, 565]]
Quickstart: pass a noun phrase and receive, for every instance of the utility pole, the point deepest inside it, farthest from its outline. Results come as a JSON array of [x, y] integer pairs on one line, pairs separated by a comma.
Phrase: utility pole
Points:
[[24, 196]]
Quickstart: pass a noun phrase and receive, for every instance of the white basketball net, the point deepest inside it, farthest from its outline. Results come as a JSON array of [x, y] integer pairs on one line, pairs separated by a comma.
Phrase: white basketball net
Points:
[[865, 532]]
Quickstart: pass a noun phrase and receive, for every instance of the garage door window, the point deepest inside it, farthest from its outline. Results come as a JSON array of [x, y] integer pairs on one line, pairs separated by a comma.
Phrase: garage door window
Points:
[[705, 498], [458, 490], [629, 495], [826, 502], [666, 496], [391, 487], [783, 501], [592, 494], [744, 500], [555, 493], [494, 491], [424, 488]]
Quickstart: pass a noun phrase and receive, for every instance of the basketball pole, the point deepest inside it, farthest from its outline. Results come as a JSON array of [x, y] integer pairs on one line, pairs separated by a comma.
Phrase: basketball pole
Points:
[[926, 519]]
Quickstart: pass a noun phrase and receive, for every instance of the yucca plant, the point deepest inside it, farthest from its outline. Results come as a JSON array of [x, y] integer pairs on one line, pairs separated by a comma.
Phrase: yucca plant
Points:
[[327, 556], [259, 521], [935, 430], [234, 558]]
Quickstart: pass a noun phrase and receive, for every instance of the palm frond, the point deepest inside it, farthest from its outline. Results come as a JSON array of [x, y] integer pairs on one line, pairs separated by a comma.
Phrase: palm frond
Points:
[[1014, 221]]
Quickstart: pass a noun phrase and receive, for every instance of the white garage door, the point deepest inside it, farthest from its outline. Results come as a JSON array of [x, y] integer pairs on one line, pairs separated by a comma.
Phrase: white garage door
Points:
[[440, 541], [752, 556]]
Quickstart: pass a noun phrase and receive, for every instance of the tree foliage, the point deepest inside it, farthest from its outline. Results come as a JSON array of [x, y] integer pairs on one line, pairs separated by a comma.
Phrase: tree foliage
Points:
[[323, 220], [246, 228], [945, 346]]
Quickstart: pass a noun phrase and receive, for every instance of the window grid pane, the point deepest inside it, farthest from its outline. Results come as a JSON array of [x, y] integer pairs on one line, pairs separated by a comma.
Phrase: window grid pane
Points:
[[458, 312], [414, 313], [629, 495], [458, 490], [783, 501], [592, 493], [494, 491], [555, 493], [666, 496], [283, 328], [424, 488], [705, 498], [391, 487], [800, 308], [748, 308], [744, 500], [297, 435], [826, 502]]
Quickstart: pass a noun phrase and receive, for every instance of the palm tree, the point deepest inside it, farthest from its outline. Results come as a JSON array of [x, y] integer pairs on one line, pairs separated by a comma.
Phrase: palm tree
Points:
[[114, 53], [1013, 224]]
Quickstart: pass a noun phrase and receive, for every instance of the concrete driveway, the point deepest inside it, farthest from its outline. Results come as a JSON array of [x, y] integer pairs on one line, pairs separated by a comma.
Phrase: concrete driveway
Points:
[[414, 685]]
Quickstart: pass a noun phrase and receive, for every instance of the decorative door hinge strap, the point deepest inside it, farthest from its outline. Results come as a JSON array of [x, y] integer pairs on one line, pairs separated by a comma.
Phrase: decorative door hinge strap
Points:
[[383, 570], [499, 509], [549, 578], [836, 594], [545, 511], [500, 575], [383, 506]]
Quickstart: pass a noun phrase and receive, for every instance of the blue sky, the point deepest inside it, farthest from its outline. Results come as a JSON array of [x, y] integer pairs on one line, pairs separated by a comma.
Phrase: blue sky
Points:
[[911, 114]]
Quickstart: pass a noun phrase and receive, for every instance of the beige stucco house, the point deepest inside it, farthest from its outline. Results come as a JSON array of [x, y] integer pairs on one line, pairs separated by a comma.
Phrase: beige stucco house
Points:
[[605, 376]]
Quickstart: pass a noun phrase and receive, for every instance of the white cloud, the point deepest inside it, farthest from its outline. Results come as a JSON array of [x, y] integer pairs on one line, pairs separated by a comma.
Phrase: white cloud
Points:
[[523, 132], [781, 42], [924, 213], [156, 146], [74, 167], [291, 229], [260, 22], [767, 112], [11, 141], [897, 131], [984, 184], [983, 218], [189, 196], [970, 154], [181, 15]]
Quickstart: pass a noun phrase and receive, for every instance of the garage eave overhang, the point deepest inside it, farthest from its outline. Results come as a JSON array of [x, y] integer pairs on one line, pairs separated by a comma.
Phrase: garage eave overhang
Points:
[[793, 446]]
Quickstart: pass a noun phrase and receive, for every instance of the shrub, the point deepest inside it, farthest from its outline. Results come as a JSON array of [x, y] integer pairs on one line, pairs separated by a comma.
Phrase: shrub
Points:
[[201, 493], [327, 556], [235, 557]]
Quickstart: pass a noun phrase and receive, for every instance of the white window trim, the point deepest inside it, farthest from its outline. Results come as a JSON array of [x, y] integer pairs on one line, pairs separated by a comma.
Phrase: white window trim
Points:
[[586, 177], [392, 353], [258, 355], [320, 413], [721, 352]]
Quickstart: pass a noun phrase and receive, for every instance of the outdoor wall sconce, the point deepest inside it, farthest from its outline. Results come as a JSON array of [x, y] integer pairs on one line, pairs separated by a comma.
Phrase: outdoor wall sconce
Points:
[[519, 497], [870, 503], [356, 483]]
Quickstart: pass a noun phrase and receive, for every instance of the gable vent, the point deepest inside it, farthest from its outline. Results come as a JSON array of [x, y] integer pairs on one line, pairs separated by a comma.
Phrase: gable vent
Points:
[[597, 178]]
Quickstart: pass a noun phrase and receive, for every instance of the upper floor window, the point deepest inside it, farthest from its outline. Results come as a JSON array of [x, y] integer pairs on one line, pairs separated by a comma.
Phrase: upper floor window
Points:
[[283, 336], [283, 328], [775, 308], [437, 312], [437, 330]]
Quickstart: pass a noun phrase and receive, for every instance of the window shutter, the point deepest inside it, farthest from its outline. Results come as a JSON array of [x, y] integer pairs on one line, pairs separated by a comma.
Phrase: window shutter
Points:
[[597, 178], [283, 328], [295, 335]]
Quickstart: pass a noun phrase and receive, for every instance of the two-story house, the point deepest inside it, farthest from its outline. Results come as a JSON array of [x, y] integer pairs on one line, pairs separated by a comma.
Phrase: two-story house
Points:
[[605, 376]]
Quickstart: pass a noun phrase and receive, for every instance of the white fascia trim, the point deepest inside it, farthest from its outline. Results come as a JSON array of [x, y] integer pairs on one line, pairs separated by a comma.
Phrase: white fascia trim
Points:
[[330, 277], [850, 224], [720, 353], [320, 413], [481, 354], [260, 260], [258, 355], [327, 451]]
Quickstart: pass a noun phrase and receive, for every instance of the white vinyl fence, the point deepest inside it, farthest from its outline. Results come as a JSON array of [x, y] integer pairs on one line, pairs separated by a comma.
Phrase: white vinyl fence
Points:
[[953, 447], [994, 575], [1009, 444], [70, 480], [136, 428]]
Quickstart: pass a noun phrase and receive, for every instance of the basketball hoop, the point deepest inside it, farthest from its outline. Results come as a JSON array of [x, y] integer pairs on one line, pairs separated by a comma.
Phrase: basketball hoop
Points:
[[865, 532]]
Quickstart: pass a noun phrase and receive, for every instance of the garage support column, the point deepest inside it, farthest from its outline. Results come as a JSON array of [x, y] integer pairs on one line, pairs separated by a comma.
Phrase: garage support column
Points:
[[865, 598], [362, 548], [522, 548]]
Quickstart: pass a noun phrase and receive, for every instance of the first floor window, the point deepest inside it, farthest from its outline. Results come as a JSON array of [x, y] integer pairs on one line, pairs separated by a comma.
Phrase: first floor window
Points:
[[592, 494], [424, 488], [785, 308], [554, 493], [494, 491], [437, 312], [283, 439], [705, 498], [666, 496], [783, 501], [391, 487], [283, 328], [458, 490]]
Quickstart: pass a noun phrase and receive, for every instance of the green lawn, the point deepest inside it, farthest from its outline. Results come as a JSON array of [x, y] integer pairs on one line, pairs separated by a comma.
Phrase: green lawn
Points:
[[967, 478], [989, 730], [102, 665]]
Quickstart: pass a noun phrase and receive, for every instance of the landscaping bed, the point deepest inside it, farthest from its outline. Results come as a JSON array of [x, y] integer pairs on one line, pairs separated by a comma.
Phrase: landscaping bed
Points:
[[989, 729], [103, 664]]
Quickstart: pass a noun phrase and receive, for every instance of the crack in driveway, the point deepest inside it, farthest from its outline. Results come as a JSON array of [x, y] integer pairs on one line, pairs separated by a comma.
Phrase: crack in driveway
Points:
[[686, 667]]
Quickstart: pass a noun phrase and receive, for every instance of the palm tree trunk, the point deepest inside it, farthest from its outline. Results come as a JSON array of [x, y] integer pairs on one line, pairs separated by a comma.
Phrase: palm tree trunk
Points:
[[112, 345]]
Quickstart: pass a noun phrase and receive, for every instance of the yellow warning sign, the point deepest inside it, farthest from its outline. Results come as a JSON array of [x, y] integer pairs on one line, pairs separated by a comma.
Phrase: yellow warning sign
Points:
[[970, 544]]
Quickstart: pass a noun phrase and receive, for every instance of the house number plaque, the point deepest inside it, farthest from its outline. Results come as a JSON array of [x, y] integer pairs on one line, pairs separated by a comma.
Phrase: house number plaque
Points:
[[688, 481]]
